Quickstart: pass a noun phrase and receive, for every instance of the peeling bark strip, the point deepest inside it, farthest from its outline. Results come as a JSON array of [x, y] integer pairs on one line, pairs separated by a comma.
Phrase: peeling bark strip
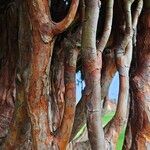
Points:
[[57, 87], [92, 74], [70, 98], [8, 60], [43, 32], [19, 136], [140, 86]]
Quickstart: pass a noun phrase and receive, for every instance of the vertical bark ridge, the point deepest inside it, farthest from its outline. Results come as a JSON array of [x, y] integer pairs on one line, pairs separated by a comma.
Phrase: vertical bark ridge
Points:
[[19, 136], [123, 56], [43, 32], [8, 63], [65, 129], [139, 114]]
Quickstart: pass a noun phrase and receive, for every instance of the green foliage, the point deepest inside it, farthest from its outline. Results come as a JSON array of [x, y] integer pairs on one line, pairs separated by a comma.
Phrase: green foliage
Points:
[[120, 140], [105, 119]]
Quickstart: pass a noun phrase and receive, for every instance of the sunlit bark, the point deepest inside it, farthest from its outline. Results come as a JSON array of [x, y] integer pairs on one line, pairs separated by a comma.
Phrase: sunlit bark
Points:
[[91, 69], [44, 30], [108, 70]]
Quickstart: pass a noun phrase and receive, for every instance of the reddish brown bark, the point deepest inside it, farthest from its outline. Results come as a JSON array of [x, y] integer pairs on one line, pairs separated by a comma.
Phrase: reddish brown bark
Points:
[[108, 69], [19, 136], [123, 54], [8, 60], [107, 73], [53, 132], [71, 48], [43, 32], [139, 112], [70, 98], [57, 89], [71, 41]]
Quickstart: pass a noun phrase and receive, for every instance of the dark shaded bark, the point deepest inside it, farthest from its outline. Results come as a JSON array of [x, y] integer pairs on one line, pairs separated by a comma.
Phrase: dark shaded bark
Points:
[[57, 89], [139, 113], [19, 136], [8, 61], [123, 59]]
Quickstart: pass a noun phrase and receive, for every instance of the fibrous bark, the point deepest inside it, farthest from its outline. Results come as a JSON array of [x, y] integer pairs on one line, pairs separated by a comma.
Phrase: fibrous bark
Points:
[[43, 32], [49, 105], [138, 124], [19, 136], [8, 61], [57, 89], [70, 98]]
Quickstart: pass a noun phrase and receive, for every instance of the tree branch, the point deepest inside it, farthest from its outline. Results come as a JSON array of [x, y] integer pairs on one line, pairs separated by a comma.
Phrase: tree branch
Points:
[[65, 129], [135, 17], [92, 71], [65, 23], [107, 26], [122, 44], [123, 60], [39, 10]]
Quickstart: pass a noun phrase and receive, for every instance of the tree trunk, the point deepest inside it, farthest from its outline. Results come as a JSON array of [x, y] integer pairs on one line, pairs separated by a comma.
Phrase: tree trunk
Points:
[[92, 71], [123, 59], [43, 32], [19, 136], [139, 125], [8, 61], [41, 84], [108, 68]]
